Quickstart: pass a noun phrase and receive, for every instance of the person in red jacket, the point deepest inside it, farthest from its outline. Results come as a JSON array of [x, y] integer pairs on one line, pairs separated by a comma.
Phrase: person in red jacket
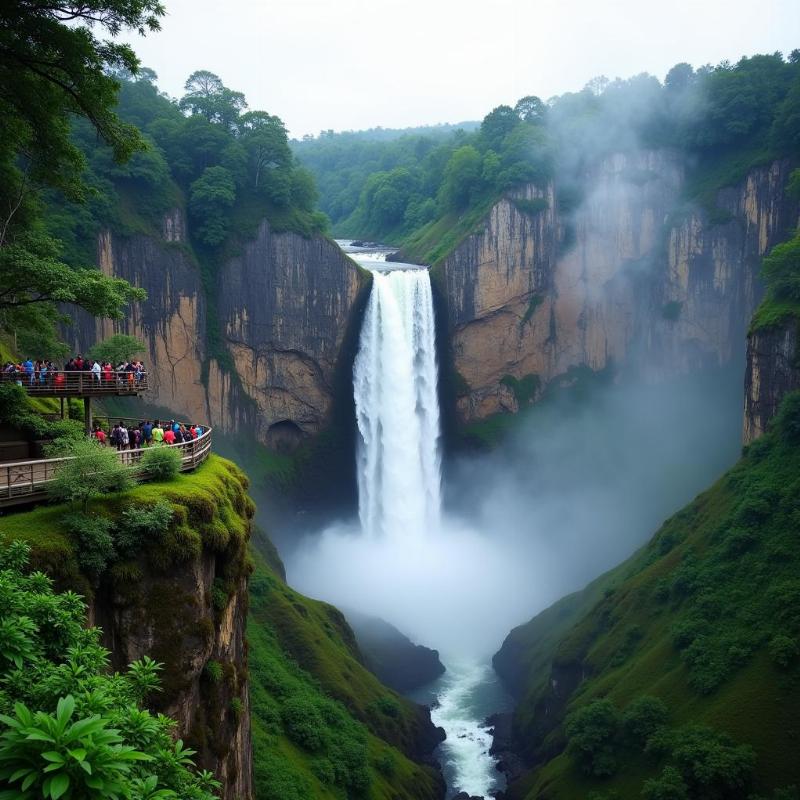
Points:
[[169, 436]]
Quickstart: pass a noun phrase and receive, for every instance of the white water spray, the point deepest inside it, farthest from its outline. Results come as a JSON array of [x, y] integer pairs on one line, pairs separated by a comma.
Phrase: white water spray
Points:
[[397, 409]]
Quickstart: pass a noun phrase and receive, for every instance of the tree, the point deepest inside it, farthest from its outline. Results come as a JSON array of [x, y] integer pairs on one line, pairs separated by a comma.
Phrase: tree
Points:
[[210, 199], [496, 125], [32, 273], [592, 732], [117, 348], [531, 109], [53, 66], [264, 136], [207, 96], [462, 178], [53, 69], [91, 471]]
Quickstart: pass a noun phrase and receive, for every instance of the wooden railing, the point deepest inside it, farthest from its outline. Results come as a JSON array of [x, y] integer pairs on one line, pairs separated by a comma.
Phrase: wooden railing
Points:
[[78, 383], [26, 481]]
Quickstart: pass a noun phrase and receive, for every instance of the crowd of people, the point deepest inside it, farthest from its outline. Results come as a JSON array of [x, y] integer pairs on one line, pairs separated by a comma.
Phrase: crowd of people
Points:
[[134, 436], [104, 373]]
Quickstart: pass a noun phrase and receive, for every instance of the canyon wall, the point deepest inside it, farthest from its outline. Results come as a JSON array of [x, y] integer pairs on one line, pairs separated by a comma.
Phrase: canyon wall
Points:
[[632, 278], [258, 356], [773, 370]]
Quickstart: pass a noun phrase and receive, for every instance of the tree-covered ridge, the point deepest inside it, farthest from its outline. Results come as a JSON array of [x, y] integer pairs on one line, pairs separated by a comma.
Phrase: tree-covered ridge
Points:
[[675, 675], [230, 166], [727, 117]]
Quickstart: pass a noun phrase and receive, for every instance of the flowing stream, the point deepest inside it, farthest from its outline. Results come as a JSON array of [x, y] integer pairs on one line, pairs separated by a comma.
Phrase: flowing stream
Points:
[[399, 483]]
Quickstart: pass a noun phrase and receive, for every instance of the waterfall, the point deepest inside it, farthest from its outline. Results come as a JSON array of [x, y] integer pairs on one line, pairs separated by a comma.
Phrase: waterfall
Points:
[[397, 408]]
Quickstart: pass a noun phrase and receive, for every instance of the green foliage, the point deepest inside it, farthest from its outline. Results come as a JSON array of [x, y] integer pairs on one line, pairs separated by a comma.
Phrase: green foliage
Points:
[[68, 728], [54, 69], [161, 463], [713, 600], [117, 348], [325, 729], [591, 732], [141, 526], [211, 197], [213, 671], [90, 471], [17, 411], [524, 389], [95, 544], [531, 207]]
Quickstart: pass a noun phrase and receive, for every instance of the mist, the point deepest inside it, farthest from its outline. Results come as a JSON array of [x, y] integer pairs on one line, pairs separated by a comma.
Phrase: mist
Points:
[[578, 490]]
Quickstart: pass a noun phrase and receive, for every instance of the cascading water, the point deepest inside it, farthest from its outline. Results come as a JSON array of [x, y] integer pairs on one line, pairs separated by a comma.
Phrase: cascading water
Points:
[[399, 488], [397, 409]]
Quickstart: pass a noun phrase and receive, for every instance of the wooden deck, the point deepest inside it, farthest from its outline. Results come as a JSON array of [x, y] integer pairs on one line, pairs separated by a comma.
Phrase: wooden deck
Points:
[[26, 481], [78, 383]]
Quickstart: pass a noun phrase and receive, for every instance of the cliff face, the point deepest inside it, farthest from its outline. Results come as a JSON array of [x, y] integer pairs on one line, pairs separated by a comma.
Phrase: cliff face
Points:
[[629, 278], [173, 619], [284, 304], [773, 370], [282, 307]]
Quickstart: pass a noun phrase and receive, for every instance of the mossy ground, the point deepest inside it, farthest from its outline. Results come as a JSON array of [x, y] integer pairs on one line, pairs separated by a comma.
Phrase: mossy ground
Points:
[[692, 619]]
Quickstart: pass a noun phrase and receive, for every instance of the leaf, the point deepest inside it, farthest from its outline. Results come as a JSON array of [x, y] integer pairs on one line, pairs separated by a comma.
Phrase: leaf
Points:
[[79, 754], [59, 785], [54, 756], [66, 705]]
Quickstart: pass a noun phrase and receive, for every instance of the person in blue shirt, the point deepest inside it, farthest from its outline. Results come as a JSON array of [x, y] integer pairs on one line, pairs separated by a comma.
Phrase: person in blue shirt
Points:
[[28, 366], [147, 433]]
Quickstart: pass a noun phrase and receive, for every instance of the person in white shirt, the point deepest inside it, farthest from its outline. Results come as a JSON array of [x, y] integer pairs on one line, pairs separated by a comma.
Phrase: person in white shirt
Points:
[[96, 371]]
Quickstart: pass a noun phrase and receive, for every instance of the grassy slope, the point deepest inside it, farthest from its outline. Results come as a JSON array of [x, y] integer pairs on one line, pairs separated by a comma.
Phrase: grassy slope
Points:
[[302, 647], [725, 570]]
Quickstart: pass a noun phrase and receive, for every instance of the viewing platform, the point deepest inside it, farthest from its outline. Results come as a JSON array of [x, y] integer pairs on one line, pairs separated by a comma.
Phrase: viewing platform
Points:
[[26, 481], [79, 383]]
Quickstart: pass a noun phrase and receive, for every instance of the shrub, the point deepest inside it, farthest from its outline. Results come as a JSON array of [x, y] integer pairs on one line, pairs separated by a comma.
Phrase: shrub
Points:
[[669, 786], [712, 765], [161, 463], [592, 733], [236, 707], [95, 545], [643, 717], [303, 722], [92, 471], [783, 650], [213, 671], [140, 524], [787, 420]]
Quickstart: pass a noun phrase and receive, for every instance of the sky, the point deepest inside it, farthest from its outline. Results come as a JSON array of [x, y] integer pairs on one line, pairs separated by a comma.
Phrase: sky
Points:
[[355, 64]]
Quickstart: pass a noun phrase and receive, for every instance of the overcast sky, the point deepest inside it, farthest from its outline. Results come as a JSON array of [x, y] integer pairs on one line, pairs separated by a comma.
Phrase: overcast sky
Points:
[[353, 64]]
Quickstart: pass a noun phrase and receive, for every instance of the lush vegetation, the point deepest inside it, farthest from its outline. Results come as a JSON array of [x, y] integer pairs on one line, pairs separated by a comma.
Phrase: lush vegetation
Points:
[[781, 274], [420, 189], [675, 675], [70, 728], [54, 69], [323, 726]]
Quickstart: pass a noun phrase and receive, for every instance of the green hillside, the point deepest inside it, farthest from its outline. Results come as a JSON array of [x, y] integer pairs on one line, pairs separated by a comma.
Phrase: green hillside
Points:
[[328, 729], [676, 675]]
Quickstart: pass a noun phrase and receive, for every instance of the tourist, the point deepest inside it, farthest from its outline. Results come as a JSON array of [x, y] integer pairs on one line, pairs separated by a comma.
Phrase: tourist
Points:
[[27, 365], [169, 436], [107, 373], [100, 435], [133, 438], [96, 370], [147, 433], [123, 437], [179, 437], [158, 433]]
